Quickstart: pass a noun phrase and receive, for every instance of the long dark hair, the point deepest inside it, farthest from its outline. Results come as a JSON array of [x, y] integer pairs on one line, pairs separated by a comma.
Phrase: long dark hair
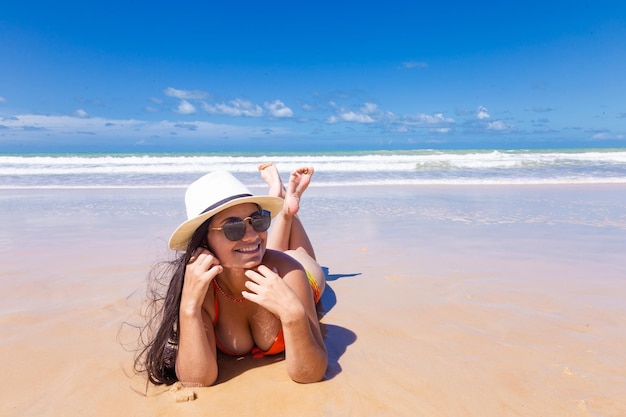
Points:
[[158, 339]]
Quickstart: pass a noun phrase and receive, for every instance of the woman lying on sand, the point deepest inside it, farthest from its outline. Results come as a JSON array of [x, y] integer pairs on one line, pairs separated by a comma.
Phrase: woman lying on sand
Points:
[[236, 288]]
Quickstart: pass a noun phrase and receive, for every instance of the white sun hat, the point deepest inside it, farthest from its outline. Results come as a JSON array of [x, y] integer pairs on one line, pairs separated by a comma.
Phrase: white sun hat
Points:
[[211, 194]]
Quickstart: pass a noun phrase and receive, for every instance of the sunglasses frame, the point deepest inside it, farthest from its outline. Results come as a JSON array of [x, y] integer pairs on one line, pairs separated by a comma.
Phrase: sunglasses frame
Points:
[[233, 230]]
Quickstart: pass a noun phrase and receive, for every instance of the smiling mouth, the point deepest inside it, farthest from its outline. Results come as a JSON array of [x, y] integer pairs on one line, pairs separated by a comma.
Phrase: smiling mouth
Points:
[[249, 249]]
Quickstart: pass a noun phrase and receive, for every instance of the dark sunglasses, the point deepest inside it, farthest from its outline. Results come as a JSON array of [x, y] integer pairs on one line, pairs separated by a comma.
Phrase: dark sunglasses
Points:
[[235, 229]]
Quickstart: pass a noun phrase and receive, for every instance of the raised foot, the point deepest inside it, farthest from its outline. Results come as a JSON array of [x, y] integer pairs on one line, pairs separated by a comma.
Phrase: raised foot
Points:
[[270, 175], [298, 182]]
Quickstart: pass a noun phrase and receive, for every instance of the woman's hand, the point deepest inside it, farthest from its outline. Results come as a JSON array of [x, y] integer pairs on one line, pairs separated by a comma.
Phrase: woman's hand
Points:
[[270, 291], [201, 269]]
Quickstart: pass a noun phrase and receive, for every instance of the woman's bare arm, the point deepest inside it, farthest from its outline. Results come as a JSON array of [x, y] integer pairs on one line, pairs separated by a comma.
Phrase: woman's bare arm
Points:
[[290, 298], [196, 362]]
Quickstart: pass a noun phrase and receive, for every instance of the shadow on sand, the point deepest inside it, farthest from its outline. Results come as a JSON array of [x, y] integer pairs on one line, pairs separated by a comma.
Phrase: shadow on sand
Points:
[[336, 338]]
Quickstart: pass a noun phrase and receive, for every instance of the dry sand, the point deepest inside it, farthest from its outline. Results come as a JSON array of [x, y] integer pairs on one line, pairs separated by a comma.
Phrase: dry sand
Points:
[[441, 301]]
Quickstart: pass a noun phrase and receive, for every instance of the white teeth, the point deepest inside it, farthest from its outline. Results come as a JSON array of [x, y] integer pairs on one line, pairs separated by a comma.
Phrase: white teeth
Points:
[[248, 249]]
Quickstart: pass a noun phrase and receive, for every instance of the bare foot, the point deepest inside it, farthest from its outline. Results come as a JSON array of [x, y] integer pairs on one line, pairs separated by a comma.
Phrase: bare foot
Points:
[[298, 182], [270, 175]]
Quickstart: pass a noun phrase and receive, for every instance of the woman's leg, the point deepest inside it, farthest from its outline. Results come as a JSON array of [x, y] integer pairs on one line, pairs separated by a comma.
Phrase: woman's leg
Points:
[[288, 234]]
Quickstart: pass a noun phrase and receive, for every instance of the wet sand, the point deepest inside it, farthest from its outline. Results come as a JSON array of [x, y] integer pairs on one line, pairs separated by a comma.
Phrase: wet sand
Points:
[[441, 301]]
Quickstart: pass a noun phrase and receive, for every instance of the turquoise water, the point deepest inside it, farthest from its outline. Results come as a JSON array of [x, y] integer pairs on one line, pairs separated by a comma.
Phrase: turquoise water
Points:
[[585, 166]]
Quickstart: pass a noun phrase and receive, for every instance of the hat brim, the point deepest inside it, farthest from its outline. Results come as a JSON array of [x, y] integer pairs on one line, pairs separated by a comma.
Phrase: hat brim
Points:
[[183, 233]]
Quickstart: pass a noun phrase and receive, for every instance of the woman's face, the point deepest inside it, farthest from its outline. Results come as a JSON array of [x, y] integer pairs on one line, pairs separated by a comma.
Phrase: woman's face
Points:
[[246, 252]]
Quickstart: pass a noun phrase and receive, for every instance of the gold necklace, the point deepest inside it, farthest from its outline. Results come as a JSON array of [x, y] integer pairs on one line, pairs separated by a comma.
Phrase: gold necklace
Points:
[[230, 297]]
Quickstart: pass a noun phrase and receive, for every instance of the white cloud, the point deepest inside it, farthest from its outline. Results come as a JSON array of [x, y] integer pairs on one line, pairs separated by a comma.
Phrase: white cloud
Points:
[[414, 64], [351, 116], [188, 126], [399, 129], [81, 113], [185, 107], [482, 113], [440, 130], [278, 109], [428, 119], [185, 94], [2, 100], [237, 107], [369, 108], [65, 124], [606, 135], [156, 100], [435, 123], [368, 113], [64, 127], [498, 125]]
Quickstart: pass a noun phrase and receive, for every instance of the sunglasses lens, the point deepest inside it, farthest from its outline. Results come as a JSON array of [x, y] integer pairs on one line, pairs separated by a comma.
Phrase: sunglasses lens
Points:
[[236, 230], [261, 222]]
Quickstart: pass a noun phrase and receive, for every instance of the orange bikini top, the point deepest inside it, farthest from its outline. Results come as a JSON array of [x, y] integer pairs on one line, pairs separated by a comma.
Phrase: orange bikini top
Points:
[[277, 347]]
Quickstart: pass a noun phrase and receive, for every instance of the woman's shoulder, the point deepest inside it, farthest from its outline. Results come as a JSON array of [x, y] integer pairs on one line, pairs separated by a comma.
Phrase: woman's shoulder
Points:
[[272, 255], [281, 260]]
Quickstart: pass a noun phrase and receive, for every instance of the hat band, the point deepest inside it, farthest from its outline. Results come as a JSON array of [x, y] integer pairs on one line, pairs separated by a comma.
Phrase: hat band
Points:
[[224, 201]]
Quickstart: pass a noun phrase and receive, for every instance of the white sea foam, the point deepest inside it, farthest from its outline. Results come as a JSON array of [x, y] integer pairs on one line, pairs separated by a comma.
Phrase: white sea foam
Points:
[[409, 167]]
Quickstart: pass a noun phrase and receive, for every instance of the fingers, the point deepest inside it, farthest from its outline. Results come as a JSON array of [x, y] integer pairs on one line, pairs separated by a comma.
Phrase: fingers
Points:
[[204, 257], [202, 262], [200, 270], [263, 279], [261, 273], [266, 288], [255, 281]]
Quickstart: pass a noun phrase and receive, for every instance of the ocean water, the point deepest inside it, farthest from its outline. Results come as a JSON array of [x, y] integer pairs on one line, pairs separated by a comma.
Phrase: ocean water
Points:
[[582, 166]]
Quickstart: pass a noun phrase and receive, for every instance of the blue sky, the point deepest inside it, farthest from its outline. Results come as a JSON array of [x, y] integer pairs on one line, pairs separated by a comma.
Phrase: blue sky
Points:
[[198, 76]]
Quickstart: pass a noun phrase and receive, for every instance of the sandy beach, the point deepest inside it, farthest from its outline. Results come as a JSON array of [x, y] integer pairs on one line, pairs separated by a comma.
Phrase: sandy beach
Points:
[[441, 301]]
